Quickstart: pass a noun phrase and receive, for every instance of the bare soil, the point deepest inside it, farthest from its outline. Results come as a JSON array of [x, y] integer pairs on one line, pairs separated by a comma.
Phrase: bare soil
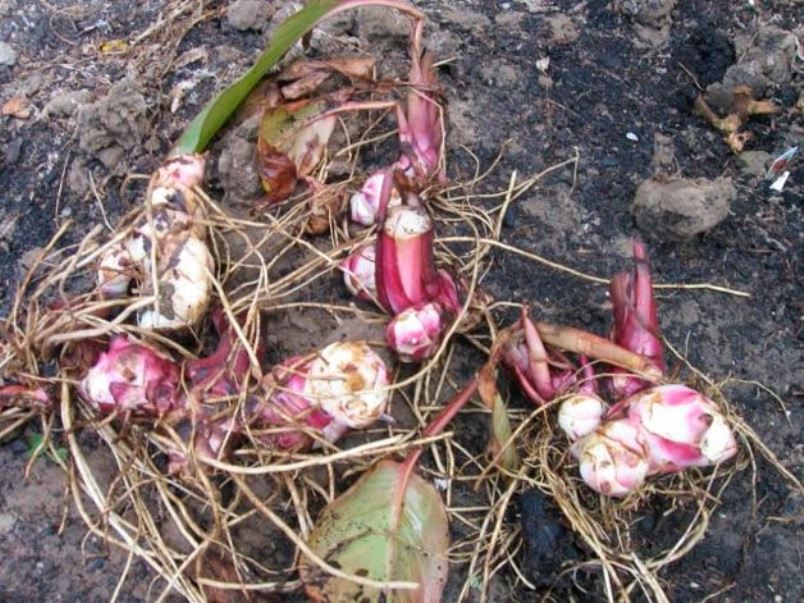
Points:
[[69, 158]]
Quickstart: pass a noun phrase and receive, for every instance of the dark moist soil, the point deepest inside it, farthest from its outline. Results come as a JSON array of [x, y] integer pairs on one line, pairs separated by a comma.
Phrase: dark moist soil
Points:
[[601, 83]]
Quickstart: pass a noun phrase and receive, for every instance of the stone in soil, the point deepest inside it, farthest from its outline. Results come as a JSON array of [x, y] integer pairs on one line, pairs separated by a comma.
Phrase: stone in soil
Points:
[[244, 15], [376, 24], [562, 29], [65, 104], [8, 56], [664, 158], [754, 163], [680, 208], [652, 19], [238, 171]]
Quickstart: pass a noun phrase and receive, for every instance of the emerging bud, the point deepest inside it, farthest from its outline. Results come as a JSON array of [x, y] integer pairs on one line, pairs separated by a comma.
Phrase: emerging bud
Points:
[[132, 377], [116, 270], [420, 131], [288, 408], [405, 269], [580, 415], [612, 460], [636, 321], [415, 333], [359, 272], [20, 396], [209, 438], [679, 428], [366, 205], [542, 374]]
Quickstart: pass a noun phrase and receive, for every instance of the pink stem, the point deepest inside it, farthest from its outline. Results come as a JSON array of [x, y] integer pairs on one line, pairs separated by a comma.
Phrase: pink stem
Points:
[[537, 358]]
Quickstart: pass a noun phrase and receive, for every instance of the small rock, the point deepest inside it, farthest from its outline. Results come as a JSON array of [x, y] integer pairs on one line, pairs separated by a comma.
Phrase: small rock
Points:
[[754, 163], [65, 104], [680, 208], [462, 126], [6, 6], [78, 178], [652, 19], [341, 24], [500, 74], [237, 169], [12, 150], [511, 21], [562, 29], [7, 521], [376, 23], [248, 14], [664, 159], [467, 19], [8, 56], [769, 50], [30, 257], [111, 157]]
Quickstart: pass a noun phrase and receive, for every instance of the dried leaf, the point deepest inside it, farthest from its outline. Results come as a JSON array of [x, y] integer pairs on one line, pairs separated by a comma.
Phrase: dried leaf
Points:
[[325, 205], [113, 47], [18, 107], [501, 431], [277, 171], [390, 526], [206, 124], [215, 565], [306, 76], [292, 141]]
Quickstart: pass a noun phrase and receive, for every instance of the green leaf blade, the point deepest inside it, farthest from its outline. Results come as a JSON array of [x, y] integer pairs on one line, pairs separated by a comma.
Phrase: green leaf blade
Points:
[[206, 124]]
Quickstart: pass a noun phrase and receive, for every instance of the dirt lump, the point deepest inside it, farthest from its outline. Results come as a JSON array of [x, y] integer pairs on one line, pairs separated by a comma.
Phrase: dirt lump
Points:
[[114, 125], [652, 19], [8, 56], [680, 208], [238, 171], [244, 15]]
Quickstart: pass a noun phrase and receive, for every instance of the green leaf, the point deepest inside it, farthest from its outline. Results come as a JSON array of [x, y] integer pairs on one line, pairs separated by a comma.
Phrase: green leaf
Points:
[[36, 444], [206, 124], [390, 526]]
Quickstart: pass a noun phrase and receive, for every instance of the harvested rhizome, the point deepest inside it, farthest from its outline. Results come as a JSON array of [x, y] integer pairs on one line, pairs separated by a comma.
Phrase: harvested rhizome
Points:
[[377, 460]]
